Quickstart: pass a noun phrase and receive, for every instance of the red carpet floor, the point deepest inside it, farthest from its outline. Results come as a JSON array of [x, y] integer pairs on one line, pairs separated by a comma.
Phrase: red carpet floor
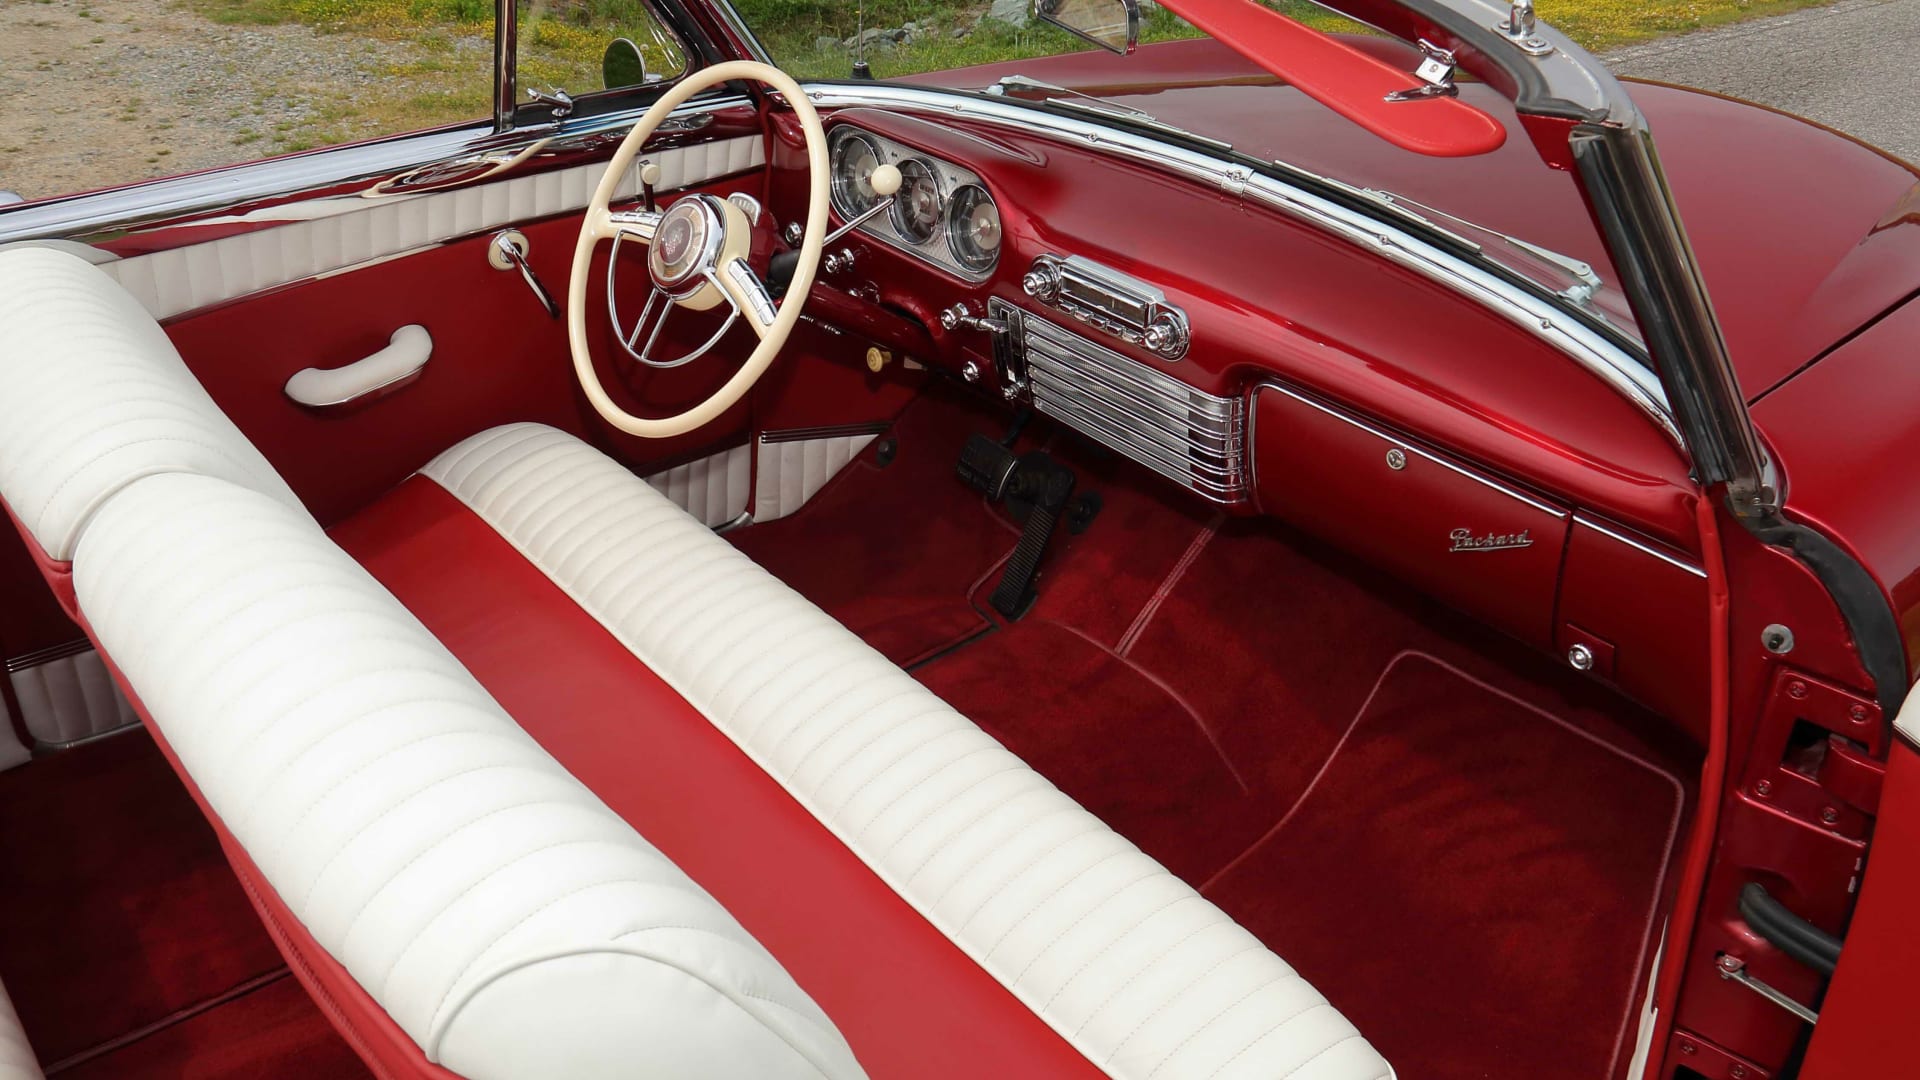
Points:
[[122, 915], [1474, 839]]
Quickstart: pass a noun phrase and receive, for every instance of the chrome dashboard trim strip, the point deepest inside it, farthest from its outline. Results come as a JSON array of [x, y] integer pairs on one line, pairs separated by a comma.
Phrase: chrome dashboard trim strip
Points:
[[1629, 376], [1408, 447], [1646, 549]]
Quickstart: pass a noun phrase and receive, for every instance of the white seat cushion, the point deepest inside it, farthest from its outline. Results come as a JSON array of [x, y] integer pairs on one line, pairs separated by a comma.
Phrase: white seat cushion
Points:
[[508, 921], [1133, 967], [16, 1056], [93, 396]]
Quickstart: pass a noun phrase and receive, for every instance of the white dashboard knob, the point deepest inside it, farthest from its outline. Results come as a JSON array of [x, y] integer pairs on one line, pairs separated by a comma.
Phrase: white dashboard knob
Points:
[[886, 180]]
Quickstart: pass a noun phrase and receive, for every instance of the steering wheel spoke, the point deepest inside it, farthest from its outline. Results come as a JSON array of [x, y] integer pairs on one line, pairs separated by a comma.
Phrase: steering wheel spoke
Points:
[[748, 295], [696, 259]]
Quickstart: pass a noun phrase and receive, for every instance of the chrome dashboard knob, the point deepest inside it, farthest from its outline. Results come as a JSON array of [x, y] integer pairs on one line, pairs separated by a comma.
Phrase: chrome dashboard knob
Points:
[[1041, 282], [1167, 335]]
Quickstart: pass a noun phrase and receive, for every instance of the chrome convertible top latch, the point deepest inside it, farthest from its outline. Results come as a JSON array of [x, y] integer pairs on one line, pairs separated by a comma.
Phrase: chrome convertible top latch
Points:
[[1435, 74]]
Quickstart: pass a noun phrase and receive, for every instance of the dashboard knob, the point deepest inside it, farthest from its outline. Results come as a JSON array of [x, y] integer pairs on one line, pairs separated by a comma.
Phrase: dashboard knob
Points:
[[1167, 335], [1041, 282]]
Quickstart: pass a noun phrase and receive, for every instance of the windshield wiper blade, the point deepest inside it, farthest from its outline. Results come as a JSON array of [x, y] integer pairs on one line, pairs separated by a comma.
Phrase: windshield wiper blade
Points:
[[1009, 84], [1069, 98], [1585, 281]]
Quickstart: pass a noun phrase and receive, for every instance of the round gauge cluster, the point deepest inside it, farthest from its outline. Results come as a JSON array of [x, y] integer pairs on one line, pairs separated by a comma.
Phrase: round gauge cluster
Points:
[[949, 218]]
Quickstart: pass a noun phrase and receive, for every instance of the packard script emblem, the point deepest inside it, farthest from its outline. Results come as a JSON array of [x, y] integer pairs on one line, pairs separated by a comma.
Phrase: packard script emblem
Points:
[[1467, 540]]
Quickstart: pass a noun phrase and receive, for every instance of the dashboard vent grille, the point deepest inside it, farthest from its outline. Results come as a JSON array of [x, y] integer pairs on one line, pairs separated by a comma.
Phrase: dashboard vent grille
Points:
[[1188, 436]]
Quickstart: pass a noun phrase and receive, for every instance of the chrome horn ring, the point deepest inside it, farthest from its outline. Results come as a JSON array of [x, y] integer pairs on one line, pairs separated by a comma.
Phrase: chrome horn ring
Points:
[[685, 246]]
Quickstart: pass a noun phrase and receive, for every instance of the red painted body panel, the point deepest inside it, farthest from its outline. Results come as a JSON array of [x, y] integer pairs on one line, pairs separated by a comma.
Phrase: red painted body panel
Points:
[[1866, 1021], [1847, 433]]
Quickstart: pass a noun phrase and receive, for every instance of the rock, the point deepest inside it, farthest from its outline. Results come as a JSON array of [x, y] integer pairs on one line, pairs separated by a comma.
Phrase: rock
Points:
[[826, 44], [1011, 12], [958, 33], [874, 37]]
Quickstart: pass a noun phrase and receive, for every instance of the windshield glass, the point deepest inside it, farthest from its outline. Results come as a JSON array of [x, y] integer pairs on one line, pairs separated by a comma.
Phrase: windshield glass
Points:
[[1180, 79]]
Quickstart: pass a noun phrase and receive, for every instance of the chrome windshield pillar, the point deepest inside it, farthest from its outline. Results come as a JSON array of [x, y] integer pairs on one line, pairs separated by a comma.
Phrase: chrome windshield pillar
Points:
[[506, 49], [1630, 201]]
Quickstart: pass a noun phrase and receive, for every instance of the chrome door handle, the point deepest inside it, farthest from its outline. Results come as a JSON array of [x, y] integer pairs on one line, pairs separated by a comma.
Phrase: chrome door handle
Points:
[[406, 353]]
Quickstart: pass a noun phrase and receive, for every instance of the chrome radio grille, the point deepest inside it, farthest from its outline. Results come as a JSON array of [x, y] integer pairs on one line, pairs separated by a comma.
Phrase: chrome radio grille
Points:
[[1184, 434]]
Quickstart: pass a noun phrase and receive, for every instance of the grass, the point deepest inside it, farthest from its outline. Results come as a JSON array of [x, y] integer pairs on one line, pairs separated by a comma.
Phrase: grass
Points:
[[445, 77]]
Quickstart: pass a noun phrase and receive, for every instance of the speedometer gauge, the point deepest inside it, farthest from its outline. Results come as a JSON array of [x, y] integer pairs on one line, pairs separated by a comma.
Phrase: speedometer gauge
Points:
[[916, 208], [854, 159], [973, 228]]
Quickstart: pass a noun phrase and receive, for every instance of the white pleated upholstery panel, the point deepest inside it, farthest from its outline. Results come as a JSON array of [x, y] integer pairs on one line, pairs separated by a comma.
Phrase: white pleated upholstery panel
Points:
[[16, 1056], [714, 489], [309, 243], [793, 471], [12, 751], [510, 922], [96, 397], [1139, 972], [71, 698]]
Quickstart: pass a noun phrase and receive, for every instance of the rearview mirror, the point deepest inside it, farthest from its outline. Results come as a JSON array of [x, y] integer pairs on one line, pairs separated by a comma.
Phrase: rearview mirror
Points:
[[622, 65], [1110, 24]]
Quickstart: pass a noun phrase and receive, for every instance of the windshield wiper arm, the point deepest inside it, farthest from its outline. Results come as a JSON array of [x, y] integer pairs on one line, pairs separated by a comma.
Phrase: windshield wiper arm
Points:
[[1069, 98], [1585, 281], [1010, 84]]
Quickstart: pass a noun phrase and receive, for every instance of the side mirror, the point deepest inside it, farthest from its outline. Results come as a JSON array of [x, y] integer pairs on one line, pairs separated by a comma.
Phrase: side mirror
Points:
[[1110, 24], [622, 65]]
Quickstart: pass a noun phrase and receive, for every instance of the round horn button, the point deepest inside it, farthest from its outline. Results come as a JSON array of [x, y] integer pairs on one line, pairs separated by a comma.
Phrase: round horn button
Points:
[[684, 245]]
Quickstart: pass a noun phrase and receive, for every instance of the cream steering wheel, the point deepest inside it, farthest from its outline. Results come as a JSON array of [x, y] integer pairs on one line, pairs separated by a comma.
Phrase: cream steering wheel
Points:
[[696, 257]]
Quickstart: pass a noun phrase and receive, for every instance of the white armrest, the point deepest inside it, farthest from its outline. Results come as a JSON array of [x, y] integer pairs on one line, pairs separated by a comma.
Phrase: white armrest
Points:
[[404, 357]]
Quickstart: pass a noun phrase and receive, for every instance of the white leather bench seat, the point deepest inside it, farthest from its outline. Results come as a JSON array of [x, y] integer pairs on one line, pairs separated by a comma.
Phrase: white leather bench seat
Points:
[[16, 1055], [497, 851]]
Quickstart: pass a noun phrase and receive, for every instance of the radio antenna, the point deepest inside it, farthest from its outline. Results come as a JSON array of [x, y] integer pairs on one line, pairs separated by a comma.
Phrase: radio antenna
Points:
[[860, 68]]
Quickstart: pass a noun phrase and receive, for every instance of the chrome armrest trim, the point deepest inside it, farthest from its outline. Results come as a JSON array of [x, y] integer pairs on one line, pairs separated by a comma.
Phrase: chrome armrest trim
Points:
[[1628, 374]]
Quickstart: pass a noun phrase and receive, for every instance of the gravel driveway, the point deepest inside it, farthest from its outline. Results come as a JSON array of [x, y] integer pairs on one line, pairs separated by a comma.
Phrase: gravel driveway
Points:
[[1850, 66], [111, 91]]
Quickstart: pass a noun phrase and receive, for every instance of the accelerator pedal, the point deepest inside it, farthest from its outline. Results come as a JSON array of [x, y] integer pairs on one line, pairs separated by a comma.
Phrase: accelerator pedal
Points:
[[1032, 483]]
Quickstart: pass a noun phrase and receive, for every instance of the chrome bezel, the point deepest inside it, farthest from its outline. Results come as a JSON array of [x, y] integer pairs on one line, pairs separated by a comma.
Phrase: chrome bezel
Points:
[[957, 232], [837, 154], [899, 211], [948, 178]]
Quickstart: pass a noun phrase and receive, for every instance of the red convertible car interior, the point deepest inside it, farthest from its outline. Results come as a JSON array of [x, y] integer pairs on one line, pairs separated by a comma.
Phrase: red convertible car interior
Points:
[[1269, 554]]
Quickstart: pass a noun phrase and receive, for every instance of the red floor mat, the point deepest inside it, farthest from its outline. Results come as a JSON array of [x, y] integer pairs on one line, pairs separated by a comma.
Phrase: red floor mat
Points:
[[1469, 880], [893, 552], [120, 910], [273, 1031], [1109, 735]]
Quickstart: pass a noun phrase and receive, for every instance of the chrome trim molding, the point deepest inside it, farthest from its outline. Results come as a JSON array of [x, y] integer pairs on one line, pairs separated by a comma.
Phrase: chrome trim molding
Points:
[[330, 236], [1187, 435], [1638, 545], [337, 172], [1629, 375], [1410, 447]]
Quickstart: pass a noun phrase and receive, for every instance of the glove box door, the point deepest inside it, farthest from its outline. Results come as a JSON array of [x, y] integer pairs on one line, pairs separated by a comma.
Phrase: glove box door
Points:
[[1451, 530]]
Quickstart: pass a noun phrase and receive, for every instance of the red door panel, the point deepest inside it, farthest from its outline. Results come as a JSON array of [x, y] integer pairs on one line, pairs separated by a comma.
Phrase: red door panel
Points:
[[1866, 1022]]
